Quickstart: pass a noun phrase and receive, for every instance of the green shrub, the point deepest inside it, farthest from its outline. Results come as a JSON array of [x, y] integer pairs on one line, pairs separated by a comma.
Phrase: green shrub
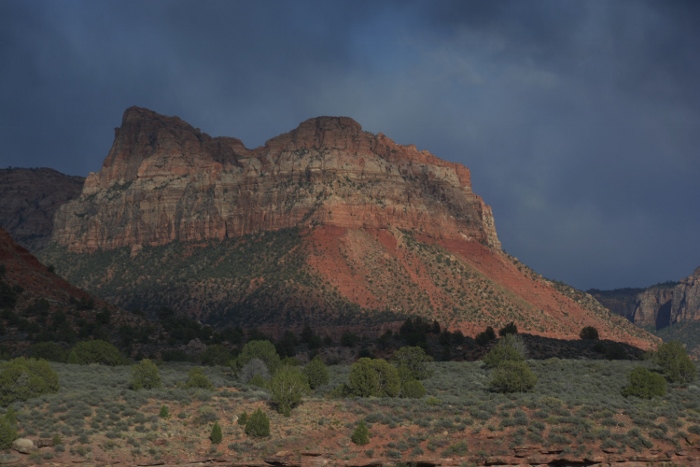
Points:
[[644, 384], [197, 379], [374, 377], [460, 449], [216, 435], [675, 363], [145, 375], [415, 360], [512, 376], [349, 339], [50, 351], [287, 387], [361, 434], [316, 372], [72, 358], [259, 381], [243, 418], [97, 351], [23, 378], [262, 349], [164, 412], [589, 333], [509, 328], [412, 389], [258, 425], [511, 348], [8, 432], [216, 355], [486, 336]]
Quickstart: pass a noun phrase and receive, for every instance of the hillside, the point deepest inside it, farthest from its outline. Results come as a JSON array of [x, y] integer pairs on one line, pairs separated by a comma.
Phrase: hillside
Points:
[[38, 305], [324, 225], [29, 199]]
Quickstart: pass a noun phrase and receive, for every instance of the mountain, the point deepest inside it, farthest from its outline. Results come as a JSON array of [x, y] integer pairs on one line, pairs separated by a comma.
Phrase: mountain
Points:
[[324, 225], [658, 306], [29, 199], [38, 305]]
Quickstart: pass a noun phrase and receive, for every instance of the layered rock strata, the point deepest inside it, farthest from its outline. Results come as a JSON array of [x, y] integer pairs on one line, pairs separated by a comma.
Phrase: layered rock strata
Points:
[[658, 306], [164, 180]]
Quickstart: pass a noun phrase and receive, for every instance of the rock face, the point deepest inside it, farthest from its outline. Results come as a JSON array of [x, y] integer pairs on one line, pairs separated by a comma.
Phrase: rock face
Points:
[[685, 303], [326, 224], [658, 306], [29, 199], [164, 180]]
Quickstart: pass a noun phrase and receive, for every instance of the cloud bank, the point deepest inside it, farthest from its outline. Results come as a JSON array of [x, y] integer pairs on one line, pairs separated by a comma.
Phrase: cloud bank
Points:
[[580, 121]]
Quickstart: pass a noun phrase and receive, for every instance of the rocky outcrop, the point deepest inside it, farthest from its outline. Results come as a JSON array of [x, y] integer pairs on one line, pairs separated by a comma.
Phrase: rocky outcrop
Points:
[[164, 180], [652, 307], [324, 225], [685, 303], [29, 199], [658, 306]]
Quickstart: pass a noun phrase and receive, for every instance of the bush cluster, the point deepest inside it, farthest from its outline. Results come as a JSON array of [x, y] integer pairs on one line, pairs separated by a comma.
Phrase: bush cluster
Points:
[[645, 384], [258, 425], [197, 379], [589, 333], [145, 375], [675, 363], [374, 378], [216, 435], [361, 434], [316, 372], [288, 386], [261, 349], [415, 361], [488, 335], [511, 347], [511, 373], [512, 376], [8, 431], [96, 351], [24, 378]]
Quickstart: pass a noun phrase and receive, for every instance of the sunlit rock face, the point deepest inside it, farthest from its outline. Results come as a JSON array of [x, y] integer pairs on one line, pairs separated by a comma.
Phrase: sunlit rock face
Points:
[[164, 180]]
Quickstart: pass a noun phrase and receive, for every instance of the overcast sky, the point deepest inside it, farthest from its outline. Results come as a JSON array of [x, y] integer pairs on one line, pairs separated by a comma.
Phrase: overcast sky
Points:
[[580, 120]]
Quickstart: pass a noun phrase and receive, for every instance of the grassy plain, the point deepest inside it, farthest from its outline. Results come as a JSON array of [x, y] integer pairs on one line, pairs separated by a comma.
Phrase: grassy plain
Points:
[[576, 409]]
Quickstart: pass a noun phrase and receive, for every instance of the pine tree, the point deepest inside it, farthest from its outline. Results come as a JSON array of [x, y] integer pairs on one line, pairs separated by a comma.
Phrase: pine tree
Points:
[[361, 434], [216, 435]]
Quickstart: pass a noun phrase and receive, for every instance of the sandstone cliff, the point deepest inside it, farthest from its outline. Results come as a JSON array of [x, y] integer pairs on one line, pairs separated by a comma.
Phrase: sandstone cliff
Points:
[[29, 199], [685, 303], [164, 180], [657, 306], [326, 224]]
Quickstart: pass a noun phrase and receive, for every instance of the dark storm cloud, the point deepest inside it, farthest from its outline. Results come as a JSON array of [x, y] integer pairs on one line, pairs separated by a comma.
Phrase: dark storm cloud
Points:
[[579, 120]]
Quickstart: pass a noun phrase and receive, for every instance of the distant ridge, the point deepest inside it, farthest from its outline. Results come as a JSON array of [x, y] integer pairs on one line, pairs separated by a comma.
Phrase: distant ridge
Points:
[[29, 199]]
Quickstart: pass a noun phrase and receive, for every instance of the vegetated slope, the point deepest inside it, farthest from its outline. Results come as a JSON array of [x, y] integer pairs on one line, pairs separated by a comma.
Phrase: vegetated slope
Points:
[[39, 305], [688, 333], [29, 199], [326, 224]]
